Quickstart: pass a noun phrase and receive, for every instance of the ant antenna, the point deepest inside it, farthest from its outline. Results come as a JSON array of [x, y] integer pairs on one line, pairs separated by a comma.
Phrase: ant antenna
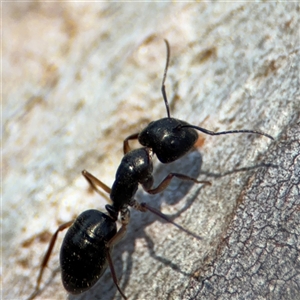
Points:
[[225, 132], [163, 88]]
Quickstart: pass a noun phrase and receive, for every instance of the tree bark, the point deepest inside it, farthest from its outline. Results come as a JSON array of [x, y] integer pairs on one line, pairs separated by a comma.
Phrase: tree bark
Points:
[[79, 78]]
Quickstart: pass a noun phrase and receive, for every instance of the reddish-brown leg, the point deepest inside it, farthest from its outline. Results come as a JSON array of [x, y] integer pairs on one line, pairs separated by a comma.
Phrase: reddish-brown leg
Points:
[[94, 182], [126, 147], [168, 179], [47, 256]]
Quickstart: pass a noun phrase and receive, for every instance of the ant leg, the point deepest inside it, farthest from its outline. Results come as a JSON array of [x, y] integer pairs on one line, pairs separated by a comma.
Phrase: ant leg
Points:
[[94, 182], [126, 147], [125, 217], [47, 256], [168, 179], [113, 274], [143, 207]]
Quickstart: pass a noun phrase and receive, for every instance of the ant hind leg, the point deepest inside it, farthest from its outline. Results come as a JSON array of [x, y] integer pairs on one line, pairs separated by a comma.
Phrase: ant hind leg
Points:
[[47, 256]]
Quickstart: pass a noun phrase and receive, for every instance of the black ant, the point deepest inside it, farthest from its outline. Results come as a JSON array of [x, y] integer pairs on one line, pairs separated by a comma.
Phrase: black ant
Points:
[[85, 252], [170, 138]]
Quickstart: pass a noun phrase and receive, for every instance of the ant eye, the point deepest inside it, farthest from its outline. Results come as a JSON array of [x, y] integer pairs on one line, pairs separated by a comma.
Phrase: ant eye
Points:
[[178, 127]]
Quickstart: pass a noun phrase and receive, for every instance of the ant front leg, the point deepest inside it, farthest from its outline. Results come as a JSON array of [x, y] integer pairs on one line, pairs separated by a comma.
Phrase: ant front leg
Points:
[[47, 256], [167, 181], [126, 147]]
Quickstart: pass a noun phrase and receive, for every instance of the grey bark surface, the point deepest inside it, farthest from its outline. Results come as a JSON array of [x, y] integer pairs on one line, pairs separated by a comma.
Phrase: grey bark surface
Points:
[[260, 258], [79, 78]]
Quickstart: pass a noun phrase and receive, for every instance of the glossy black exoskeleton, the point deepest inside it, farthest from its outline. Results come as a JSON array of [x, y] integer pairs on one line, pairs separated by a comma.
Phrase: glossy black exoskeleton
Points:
[[83, 254], [168, 139], [171, 138], [86, 248], [136, 167]]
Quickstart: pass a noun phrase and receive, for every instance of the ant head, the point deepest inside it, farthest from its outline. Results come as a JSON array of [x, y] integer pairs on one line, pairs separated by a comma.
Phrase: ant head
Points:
[[168, 138]]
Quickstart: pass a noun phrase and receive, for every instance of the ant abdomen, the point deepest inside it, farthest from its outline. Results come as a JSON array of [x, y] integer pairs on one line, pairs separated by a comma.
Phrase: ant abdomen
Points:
[[82, 255]]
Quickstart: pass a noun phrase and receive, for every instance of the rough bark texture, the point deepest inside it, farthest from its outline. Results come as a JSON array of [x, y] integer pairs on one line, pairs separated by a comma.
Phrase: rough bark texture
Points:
[[259, 258], [80, 77]]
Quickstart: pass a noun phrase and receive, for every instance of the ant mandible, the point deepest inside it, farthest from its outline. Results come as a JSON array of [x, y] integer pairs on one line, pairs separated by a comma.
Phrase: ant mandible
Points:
[[171, 138]]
